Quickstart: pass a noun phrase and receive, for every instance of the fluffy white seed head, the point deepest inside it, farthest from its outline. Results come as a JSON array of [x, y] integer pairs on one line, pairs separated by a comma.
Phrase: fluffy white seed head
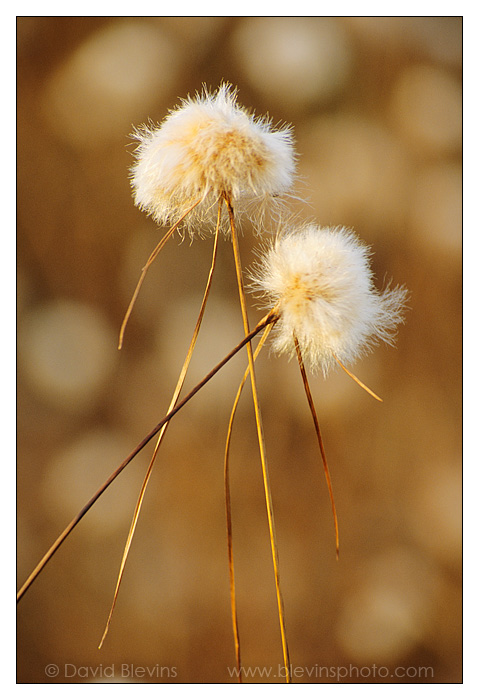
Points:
[[320, 280], [206, 146]]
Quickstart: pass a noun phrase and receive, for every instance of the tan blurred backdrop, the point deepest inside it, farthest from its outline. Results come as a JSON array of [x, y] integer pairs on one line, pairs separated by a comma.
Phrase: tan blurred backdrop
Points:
[[376, 106]]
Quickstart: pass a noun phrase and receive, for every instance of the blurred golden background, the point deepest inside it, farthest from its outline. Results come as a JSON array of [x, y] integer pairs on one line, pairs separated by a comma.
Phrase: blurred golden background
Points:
[[376, 105]]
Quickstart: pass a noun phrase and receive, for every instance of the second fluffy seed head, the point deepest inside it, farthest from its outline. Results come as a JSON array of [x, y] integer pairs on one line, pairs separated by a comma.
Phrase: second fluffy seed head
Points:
[[322, 285]]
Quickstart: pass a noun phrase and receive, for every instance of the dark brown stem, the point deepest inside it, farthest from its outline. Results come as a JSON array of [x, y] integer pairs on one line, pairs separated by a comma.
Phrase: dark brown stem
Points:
[[270, 318]]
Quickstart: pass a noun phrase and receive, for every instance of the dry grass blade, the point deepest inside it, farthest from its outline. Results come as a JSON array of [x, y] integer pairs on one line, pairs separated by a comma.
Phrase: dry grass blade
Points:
[[358, 381], [271, 317], [145, 269], [320, 440], [229, 526], [262, 449], [174, 399]]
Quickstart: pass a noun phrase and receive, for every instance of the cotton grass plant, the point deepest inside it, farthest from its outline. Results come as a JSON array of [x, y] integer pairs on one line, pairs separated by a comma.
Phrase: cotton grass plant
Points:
[[205, 167], [208, 155]]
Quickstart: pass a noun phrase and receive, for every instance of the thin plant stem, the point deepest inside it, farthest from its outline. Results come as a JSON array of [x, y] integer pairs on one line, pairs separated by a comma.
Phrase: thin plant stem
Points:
[[320, 440], [229, 525], [145, 269], [358, 381], [174, 399], [270, 318], [259, 428]]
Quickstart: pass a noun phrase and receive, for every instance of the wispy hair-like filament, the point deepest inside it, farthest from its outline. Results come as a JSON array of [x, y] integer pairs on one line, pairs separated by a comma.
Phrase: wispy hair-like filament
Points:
[[145, 269]]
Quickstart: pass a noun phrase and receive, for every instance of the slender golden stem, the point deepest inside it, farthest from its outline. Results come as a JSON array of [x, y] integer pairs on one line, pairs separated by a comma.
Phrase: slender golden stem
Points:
[[271, 317], [145, 269], [358, 381], [259, 428], [229, 526], [174, 399], [320, 440]]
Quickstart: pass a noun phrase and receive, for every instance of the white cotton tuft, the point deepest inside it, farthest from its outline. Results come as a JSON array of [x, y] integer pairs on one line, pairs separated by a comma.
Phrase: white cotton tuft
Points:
[[206, 147], [322, 285]]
